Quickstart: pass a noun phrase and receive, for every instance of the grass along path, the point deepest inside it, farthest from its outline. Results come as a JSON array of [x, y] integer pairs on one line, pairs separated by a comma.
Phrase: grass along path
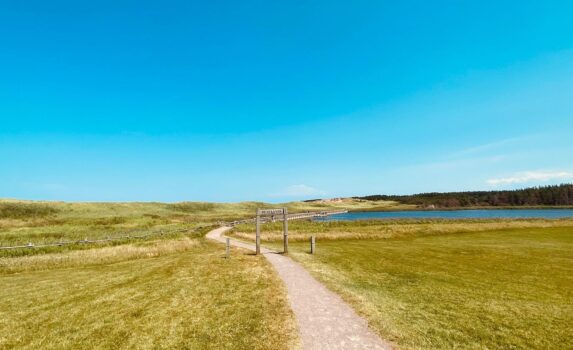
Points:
[[163, 297], [502, 289], [23, 222], [300, 230], [324, 320]]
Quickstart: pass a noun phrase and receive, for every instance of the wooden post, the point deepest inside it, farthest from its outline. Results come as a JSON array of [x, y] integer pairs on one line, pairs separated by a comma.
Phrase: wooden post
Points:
[[258, 235], [285, 230], [228, 250], [312, 244]]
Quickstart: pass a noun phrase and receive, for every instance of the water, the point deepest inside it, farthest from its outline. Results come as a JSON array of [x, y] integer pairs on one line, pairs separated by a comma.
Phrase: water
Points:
[[454, 214]]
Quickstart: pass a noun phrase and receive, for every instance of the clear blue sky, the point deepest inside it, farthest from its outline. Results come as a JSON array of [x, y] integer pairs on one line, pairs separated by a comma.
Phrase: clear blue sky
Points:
[[282, 100]]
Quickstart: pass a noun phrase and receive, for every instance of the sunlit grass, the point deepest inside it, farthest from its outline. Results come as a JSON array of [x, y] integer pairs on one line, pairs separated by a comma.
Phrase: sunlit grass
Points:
[[95, 255], [383, 229], [13, 211], [23, 222], [171, 289], [421, 283], [500, 289], [171, 295]]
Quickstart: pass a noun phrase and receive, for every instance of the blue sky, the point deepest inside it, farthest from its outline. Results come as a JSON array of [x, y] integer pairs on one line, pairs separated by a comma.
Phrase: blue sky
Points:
[[282, 100]]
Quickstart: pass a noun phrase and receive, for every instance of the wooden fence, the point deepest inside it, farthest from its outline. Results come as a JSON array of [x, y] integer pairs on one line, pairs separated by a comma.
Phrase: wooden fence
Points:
[[102, 240], [272, 218]]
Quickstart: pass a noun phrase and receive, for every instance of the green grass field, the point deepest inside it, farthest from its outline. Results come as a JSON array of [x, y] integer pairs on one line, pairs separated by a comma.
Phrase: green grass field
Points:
[[423, 284], [167, 291], [506, 288], [157, 295]]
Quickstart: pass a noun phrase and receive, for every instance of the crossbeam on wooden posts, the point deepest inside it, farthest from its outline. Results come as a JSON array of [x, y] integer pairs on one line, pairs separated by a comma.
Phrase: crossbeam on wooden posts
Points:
[[271, 212]]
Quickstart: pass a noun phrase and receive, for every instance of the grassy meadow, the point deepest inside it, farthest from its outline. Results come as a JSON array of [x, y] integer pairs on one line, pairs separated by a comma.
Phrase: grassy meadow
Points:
[[162, 295], [167, 291], [423, 284], [301, 230], [489, 284], [23, 222]]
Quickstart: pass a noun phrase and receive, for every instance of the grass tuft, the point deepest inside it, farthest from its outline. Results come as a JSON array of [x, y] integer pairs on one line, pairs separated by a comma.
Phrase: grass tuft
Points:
[[25, 210]]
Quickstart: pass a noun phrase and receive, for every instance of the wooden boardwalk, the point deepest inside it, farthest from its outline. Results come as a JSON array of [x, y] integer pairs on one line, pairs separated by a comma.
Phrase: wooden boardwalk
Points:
[[294, 216]]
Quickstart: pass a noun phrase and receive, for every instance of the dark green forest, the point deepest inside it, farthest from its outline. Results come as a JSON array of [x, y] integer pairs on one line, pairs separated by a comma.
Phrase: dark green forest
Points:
[[534, 196]]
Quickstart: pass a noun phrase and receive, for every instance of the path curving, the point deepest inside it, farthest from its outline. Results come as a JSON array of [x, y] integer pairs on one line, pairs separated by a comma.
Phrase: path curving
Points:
[[324, 320]]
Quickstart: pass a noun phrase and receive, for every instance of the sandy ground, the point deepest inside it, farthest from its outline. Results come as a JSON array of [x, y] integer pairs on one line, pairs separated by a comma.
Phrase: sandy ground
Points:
[[324, 320]]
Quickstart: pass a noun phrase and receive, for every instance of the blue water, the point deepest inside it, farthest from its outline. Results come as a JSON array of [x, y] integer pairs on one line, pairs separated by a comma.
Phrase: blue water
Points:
[[454, 214]]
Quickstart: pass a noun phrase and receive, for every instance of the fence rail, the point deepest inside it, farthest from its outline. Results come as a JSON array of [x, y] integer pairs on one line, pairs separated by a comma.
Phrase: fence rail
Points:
[[273, 218], [294, 216]]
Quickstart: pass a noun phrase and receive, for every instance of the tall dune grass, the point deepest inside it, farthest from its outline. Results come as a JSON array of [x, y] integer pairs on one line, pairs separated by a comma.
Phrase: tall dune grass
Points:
[[385, 229], [39, 223], [15, 210], [95, 255]]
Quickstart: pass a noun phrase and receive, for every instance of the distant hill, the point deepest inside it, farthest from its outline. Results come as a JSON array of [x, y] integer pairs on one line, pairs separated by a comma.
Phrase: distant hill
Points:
[[533, 196]]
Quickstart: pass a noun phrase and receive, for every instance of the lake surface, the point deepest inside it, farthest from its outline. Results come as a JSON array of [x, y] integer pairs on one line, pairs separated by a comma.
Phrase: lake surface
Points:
[[454, 214]]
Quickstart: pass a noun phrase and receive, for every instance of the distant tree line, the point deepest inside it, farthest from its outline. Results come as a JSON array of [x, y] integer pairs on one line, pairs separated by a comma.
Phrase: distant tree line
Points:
[[546, 195]]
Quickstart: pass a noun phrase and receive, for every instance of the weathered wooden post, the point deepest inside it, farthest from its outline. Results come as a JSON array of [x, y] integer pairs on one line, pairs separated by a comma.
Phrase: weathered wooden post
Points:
[[285, 230], [258, 234], [312, 244], [228, 248]]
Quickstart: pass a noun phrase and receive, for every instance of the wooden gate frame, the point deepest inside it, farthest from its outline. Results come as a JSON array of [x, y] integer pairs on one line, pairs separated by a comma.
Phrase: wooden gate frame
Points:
[[271, 213]]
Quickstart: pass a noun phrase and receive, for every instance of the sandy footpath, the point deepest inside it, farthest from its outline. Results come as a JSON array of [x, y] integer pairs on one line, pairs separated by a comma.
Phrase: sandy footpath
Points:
[[324, 320]]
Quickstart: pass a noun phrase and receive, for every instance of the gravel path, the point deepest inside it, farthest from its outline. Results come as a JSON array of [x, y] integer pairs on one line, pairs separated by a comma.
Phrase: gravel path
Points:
[[325, 321]]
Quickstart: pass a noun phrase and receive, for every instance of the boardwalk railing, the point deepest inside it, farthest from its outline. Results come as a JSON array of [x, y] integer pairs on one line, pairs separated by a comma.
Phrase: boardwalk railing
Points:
[[294, 216], [272, 218]]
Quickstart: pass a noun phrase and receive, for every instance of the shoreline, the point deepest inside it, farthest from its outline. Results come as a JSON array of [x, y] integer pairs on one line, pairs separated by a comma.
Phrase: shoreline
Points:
[[386, 209]]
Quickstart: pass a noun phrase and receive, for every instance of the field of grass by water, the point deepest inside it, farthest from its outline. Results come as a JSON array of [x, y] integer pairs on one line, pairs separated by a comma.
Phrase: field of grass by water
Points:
[[493, 284], [301, 230], [471, 287], [23, 222]]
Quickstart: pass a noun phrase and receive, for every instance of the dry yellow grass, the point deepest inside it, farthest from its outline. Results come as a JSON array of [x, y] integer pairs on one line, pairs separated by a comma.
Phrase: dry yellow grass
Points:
[[500, 289], [169, 295], [40, 223], [383, 229], [95, 256]]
